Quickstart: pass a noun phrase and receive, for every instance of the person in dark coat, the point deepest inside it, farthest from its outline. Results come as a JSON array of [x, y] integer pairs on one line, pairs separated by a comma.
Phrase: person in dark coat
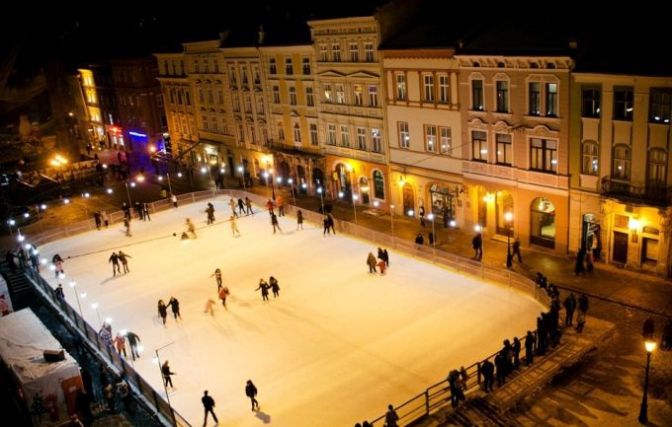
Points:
[[299, 220], [488, 372], [163, 311], [331, 222], [274, 223], [570, 306], [241, 206], [391, 417], [477, 244], [579, 267], [430, 235], [96, 219], [325, 223], [114, 259], [145, 212], [454, 386], [210, 211], [133, 340], [273, 282], [516, 250], [500, 368], [264, 287], [419, 240], [251, 392], [371, 262], [541, 336], [387, 257], [208, 405], [529, 348], [218, 277], [516, 353], [175, 307], [59, 292], [123, 257], [167, 373], [583, 309]]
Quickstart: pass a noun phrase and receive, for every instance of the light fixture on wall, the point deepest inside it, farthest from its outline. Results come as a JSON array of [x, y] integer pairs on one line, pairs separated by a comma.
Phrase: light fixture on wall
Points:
[[634, 224]]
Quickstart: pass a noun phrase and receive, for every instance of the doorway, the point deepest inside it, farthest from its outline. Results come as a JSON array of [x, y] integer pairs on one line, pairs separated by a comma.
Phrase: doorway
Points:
[[620, 249]]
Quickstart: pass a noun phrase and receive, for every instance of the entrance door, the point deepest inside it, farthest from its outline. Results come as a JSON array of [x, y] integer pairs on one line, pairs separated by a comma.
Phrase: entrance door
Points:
[[620, 252]]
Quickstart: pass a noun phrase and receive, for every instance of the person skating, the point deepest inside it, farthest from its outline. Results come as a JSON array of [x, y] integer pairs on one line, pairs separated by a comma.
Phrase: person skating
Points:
[[223, 295], [167, 373], [381, 266], [58, 263], [248, 205], [210, 211], [175, 307], [218, 278], [145, 212], [570, 306], [516, 250], [325, 223], [280, 202], [583, 309], [419, 240], [163, 311], [275, 287], [331, 223], [133, 340], [127, 226], [232, 204], [477, 244], [274, 223], [234, 227], [120, 344], [191, 228], [299, 220], [96, 219], [251, 392], [270, 205], [208, 405], [386, 258], [241, 206], [371, 262], [114, 259], [123, 257], [105, 334], [391, 417], [264, 287], [173, 198], [209, 307]]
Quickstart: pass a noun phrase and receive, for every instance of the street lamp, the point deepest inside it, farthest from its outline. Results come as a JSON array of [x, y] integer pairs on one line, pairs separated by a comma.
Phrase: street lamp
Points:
[[290, 181], [241, 169], [392, 219], [73, 285], [265, 175], [643, 411], [431, 218], [95, 307], [319, 191], [354, 206], [508, 220]]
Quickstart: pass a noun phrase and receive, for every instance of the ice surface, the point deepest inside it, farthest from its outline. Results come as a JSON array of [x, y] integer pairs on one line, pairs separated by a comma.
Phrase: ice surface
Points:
[[336, 347]]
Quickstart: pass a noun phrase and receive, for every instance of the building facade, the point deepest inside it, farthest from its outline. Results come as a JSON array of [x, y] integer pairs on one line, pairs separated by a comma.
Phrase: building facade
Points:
[[424, 128], [620, 187], [101, 106], [515, 123]]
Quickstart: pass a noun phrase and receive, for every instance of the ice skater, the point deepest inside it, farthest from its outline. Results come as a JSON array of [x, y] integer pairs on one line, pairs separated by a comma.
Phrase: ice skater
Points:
[[173, 198], [145, 212], [251, 392], [210, 211], [114, 259], [175, 307], [264, 287], [381, 266], [208, 405], [218, 277], [209, 307], [223, 294], [270, 205], [105, 218], [190, 228], [371, 262], [273, 282], [274, 223], [120, 344], [280, 202], [234, 227], [299, 220], [248, 205], [163, 311], [58, 262], [96, 219], [167, 373], [123, 257], [233, 205], [133, 340], [330, 223], [241, 206], [127, 226]]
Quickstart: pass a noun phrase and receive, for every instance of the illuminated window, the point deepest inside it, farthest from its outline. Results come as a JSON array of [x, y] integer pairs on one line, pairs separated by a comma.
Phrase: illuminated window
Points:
[[357, 93], [479, 146], [310, 100], [361, 138], [589, 158], [336, 52], [313, 134], [345, 136], [502, 88], [401, 86], [428, 84], [660, 105], [444, 86], [504, 150], [543, 155], [477, 95], [430, 138], [289, 67], [445, 143], [331, 134], [404, 135], [590, 97], [376, 141]]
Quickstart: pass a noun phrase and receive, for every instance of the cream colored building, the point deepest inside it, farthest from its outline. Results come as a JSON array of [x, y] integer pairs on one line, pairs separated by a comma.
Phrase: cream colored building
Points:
[[515, 112], [620, 187], [351, 124], [425, 137]]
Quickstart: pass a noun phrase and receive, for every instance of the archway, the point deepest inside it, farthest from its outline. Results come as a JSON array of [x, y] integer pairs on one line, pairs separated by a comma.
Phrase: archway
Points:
[[591, 237], [482, 209], [301, 176], [283, 172], [364, 189], [342, 180], [318, 177], [503, 205], [408, 199], [542, 218]]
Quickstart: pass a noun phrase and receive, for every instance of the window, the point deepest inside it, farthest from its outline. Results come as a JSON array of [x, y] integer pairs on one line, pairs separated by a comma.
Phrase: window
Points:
[[657, 168], [297, 133], [340, 94], [256, 75], [504, 151], [201, 95], [281, 132], [660, 105], [445, 143], [361, 138], [210, 96], [589, 158], [241, 133], [305, 66], [357, 92], [623, 103], [236, 102], [354, 52], [292, 95], [313, 134], [444, 86], [205, 123], [220, 96], [310, 100], [324, 53], [376, 141], [232, 77], [542, 228], [248, 103], [289, 68], [590, 97], [551, 99], [187, 98], [404, 135], [368, 52], [328, 96], [243, 75], [621, 163], [373, 96], [534, 98], [378, 185], [428, 84], [502, 96], [345, 136], [401, 86], [479, 146], [260, 104], [336, 52], [543, 155], [430, 138], [477, 95], [331, 134], [276, 94]]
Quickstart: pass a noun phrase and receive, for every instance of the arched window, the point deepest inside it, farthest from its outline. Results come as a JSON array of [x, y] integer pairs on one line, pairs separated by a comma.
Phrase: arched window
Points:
[[542, 227], [378, 185], [590, 158], [622, 158], [657, 167]]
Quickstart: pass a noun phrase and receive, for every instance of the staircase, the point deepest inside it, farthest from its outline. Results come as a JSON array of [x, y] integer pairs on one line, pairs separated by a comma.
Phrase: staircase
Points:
[[20, 290]]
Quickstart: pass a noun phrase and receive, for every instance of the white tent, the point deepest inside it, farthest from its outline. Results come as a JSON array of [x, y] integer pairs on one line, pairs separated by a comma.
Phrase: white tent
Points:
[[48, 388], [5, 300]]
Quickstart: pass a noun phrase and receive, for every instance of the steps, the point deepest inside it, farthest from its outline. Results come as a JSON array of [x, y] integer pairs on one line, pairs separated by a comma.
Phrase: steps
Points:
[[20, 290]]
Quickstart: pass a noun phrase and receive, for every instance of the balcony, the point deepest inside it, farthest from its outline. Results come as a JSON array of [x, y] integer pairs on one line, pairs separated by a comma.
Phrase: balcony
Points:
[[641, 195]]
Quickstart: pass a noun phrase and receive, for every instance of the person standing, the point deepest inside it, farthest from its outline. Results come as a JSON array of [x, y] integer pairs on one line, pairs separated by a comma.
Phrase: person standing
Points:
[[124, 261], [133, 340], [421, 214], [120, 344], [218, 277], [251, 392], [208, 405], [127, 225], [391, 417], [210, 211], [173, 198], [248, 205], [105, 218], [96, 219], [274, 223], [175, 307], [371, 262], [233, 204], [163, 311], [386, 258], [331, 223], [167, 373], [516, 353], [281, 205], [58, 262], [477, 244], [263, 286], [145, 212], [419, 240], [241, 206], [59, 292], [570, 306], [269, 206], [223, 294], [114, 259], [583, 309], [191, 228], [234, 227], [299, 220], [488, 371], [529, 348], [516, 250], [275, 287], [325, 223]]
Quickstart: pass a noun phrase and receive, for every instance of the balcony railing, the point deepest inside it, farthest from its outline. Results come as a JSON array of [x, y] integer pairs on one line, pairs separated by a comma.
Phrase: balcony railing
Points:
[[650, 194]]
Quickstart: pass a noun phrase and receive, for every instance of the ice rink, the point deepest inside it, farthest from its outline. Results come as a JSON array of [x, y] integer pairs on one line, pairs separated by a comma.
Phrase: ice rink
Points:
[[335, 348]]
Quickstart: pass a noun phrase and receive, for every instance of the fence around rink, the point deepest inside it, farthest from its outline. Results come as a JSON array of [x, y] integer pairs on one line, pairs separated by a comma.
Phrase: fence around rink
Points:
[[421, 405]]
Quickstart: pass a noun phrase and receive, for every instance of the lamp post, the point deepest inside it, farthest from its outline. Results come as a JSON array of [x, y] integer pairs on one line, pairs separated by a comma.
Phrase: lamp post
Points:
[[242, 175], [95, 307], [354, 206], [265, 175], [290, 181], [392, 219], [73, 285], [431, 218], [643, 411], [319, 191], [508, 219]]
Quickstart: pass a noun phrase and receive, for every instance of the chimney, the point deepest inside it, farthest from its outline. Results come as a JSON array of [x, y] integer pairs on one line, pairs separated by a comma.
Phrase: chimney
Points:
[[261, 34]]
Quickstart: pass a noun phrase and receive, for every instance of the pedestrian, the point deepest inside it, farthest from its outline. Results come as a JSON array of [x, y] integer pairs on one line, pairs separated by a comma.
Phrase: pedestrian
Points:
[[430, 235], [419, 240], [58, 263], [105, 334], [133, 340], [105, 218], [139, 211], [648, 329], [274, 223], [386, 257], [241, 206], [421, 214], [125, 394], [127, 225], [299, 220], [167, 373], [570, 306], [175, 307], [477, 244], [209, 306], [251, 392], [583, 309], [529, 348], [264, 287], [126, 209], [145, 212], [218, 277], [381, 266], [579, 267], [120, 344], [208, 405], [59, 292], [114, 259], [270, 206], [173, 198], [371, 262], [191, 228], [233, 204], [330, 222], [380, 253], [516, 250], [516, 353], [163, 312], [325, 222], [275, 287], [210, 211], [488, 372], [96, 219], [248, 205], [391, 417], [123, 257], [280, 202], [234, 227], [223, 294]]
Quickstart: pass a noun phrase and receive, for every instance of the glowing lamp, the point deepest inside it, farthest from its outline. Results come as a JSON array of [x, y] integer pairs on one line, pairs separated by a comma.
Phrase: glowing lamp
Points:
[[452, 223], [650, 346]]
